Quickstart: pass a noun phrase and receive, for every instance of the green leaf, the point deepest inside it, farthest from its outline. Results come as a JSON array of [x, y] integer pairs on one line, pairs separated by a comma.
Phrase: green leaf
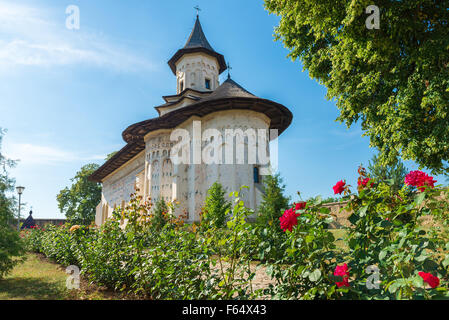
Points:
[[309, 238], [315, 275], [353, 218], [445, 262], [420, 198], [430, 265], [363, 210], [395, 285], [382, 254]]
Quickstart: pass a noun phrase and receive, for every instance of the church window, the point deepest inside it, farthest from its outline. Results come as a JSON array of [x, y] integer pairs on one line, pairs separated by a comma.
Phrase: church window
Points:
[[181, 86], [207, 84], [256, 175]]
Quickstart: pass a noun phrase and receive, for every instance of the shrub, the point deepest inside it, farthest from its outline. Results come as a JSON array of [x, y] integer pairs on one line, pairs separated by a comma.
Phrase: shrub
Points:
[[386, 234], [273, 204], [11, 246], [304, 269], [216, 207], [385, 240], [11, 249]]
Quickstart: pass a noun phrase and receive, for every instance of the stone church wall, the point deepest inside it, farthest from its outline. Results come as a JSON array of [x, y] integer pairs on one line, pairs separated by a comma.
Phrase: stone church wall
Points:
[[118, 186]]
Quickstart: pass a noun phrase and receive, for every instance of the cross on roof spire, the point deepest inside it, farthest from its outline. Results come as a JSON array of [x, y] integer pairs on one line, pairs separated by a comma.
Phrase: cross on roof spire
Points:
[[198, 9], [229, 70]]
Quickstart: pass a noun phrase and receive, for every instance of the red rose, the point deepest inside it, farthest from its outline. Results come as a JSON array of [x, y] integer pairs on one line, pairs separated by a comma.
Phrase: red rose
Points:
[[300, 205], [289, 219], [339, 187], [342, 271], [430, 279], [364, 182], [419, 179]]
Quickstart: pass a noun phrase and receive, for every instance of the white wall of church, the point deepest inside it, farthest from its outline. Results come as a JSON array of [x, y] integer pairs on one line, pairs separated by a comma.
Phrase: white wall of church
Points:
[[194, 180], [155, 174], [119, 185], [159, 174]]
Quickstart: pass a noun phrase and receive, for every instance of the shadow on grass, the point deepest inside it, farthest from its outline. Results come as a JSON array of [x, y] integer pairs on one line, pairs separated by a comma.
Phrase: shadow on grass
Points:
[[30, 289]]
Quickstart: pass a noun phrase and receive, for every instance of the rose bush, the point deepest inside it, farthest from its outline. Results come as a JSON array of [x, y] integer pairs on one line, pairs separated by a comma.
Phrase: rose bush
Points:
[[386, 234], [395, 246]]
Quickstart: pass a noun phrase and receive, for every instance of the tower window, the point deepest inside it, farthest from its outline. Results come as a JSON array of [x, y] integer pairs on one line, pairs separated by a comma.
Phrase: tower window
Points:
[[181, 86], [256, 175], [207, 83]]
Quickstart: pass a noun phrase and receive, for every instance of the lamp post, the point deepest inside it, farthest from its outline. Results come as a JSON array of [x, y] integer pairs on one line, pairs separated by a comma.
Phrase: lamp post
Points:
[[19, 191]]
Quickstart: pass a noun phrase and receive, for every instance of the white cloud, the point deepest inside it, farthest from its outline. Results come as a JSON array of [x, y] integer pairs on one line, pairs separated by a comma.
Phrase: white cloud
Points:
[[30, 37], [31, 154]]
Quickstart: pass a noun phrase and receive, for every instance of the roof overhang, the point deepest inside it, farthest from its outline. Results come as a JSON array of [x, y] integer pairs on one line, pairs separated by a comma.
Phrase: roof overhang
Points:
[[220, 58], [280, 118]]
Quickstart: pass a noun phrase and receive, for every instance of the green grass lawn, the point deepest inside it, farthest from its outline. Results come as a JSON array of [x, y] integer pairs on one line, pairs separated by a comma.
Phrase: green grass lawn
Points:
[[39, 279], [34, 279]]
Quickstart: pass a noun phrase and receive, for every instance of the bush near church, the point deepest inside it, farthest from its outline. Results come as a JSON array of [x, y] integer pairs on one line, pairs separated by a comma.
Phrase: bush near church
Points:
[[11, 247], [388, 254]]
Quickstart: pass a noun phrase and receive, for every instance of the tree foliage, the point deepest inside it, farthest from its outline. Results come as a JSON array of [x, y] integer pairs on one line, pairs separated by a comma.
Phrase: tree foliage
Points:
[[394, 79], [396, 172], [274, 202], [161, 211], [10, 243], [216, 207], [110, 155], [80, 200]]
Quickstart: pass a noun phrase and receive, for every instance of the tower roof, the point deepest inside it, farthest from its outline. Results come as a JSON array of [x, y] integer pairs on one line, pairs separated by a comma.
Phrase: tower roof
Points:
[[229, 89], [197, 42], [197, 39]]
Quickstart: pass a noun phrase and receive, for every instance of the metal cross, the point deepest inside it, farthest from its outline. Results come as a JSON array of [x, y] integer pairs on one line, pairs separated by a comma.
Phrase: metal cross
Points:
[[229, 71], [198, 9]]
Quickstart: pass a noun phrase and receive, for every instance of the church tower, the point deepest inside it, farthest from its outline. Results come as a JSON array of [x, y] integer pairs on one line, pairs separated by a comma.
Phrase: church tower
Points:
[[197, 65]]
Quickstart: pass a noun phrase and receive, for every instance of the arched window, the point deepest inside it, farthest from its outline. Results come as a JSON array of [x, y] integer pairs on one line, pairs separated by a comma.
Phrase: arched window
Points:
[[256, 175]]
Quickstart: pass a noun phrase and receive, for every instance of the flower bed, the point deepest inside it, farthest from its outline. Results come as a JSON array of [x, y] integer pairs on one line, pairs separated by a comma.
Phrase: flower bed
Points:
[[388, 253]]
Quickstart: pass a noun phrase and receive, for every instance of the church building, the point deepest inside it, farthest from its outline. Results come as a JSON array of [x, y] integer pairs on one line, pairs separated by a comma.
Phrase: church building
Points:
[[201, 104]]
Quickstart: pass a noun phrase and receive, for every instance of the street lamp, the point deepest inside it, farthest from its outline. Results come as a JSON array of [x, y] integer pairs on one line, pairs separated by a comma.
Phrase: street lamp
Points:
[[19, 191]]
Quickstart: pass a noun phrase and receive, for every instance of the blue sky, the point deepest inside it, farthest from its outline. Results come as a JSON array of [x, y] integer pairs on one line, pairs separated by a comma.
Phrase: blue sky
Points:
[[66, 95]]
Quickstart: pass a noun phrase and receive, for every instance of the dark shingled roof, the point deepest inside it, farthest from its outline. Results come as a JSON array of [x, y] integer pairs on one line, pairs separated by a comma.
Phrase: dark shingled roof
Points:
[[29, 222], [197, 38], [229, 96], [229, 89], [197, 42]]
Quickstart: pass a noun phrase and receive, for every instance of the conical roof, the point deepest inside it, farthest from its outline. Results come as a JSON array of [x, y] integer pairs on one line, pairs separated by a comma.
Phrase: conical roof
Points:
[[29, 222], [197, 42], [197, 38]]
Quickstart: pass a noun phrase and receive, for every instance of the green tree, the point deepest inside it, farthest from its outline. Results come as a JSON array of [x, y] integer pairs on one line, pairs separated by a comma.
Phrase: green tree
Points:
[[161, 210], [216, 206], [269, 233], [110, 155], [395, 172], [11, 246], [394, 79], [274, 202], [80, 201]]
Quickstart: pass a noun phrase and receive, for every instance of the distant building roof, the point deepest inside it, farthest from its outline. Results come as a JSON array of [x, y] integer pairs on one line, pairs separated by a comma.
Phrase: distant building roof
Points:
[[29, 222]]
